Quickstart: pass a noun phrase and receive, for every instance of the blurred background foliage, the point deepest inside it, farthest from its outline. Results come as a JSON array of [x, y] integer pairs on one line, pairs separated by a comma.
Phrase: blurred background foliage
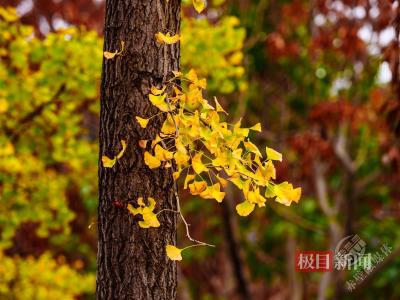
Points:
[[323, 78]]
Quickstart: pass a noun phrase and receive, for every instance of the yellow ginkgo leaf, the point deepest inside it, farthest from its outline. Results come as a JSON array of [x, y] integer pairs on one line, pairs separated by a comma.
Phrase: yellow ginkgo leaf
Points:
[[149, 219], [162, 154], [256, 127], [188, 179], [251, 197], [108, 162], [176, 175], [173, 252], [272, 154], [296, 194], [110, 55], [143, 143], [157, 92], [156, 141], [123, 143], [181, 158], [134, 211], [197, 187], [152, 203], [169, 125], [222, 181], [245, 208], [151, 161], [159, 102], [177, 73], [269, 191], [265, 172], [260, 200], [252, 148], [285, 193], [213, 192], [199, 5], [197, 164], [237, 181], [218, 106], [167, 38], [192, 76], [140, 201], [142, 122]]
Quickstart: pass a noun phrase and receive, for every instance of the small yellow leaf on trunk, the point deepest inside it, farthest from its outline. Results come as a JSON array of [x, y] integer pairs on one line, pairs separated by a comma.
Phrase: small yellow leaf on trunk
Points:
[[108, 162], [143, 143], [110, 55], [167, 38], [173, 252], [142, 122]]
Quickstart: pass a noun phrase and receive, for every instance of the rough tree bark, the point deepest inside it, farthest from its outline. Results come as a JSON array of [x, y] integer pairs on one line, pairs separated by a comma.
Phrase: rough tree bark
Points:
[[132, 263]]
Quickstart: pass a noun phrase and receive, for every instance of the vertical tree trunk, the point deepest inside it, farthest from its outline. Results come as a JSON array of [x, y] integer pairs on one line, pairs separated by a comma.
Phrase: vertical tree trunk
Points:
[[132, 263]]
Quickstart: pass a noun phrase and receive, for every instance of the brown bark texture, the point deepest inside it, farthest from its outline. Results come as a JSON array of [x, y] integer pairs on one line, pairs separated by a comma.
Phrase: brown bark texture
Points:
[[132, 263]]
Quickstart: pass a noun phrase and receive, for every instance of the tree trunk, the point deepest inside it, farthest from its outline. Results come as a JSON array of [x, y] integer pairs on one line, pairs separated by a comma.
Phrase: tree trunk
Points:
[[132, 263]]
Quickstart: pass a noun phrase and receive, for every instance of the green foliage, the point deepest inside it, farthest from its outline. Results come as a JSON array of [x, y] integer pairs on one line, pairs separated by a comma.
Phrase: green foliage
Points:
[[215, 51], [44, 84], [44, 151], [43, 278]]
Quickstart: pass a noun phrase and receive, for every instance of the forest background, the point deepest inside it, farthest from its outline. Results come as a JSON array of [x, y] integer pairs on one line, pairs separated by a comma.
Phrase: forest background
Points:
[[323, 78]]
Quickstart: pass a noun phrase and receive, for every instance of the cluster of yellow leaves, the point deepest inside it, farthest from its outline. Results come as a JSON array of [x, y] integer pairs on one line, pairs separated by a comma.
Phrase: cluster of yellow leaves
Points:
[[208, 151], [42, 278], [195, 141], [63, 66], [110, 162], [149, 217]]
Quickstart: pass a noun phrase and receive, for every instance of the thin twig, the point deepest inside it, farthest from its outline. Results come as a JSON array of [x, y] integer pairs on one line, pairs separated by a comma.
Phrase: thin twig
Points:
[[167, 209]]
